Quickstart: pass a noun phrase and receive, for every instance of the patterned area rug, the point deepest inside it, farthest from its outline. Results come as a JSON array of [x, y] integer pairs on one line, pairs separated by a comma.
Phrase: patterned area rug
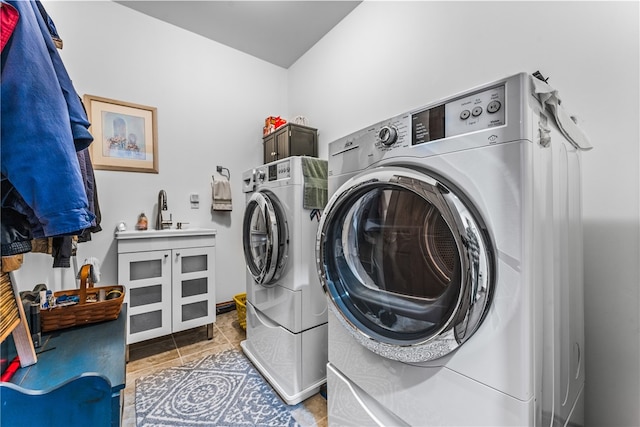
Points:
[[222, 389]]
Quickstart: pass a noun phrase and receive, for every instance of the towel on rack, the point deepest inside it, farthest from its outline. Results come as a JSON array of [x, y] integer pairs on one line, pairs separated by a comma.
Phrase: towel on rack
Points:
[[315, 184], [221, 194]]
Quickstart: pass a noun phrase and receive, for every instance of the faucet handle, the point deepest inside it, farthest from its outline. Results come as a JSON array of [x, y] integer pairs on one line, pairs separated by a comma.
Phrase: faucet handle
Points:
[[180, 224], [165, 223]]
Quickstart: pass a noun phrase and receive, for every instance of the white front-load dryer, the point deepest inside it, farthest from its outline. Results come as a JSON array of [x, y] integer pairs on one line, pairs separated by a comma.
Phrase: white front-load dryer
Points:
[[451, 254], [286, 308]]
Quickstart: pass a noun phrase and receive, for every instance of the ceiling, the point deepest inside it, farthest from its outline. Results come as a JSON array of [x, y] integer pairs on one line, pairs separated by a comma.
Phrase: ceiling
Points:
[[278, 32]]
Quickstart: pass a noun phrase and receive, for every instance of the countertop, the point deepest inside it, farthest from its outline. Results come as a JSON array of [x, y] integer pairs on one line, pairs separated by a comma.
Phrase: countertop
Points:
[[172, 232]]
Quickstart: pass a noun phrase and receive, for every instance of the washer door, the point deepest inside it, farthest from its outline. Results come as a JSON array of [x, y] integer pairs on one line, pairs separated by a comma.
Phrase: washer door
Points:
[[406, 263], [265, 238]]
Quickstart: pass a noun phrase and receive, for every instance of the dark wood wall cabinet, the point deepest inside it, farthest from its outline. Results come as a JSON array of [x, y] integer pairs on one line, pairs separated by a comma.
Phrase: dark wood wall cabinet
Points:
[[290, 140]]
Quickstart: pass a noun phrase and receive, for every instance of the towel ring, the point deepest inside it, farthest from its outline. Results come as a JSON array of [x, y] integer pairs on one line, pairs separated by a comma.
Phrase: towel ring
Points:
[[221, 170]]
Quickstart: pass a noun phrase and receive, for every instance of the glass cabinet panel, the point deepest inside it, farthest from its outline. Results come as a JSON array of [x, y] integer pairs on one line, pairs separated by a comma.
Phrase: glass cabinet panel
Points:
[[194, 287], [145, 321], [194, 310], [192, 264], [145, 295], [147, 269]]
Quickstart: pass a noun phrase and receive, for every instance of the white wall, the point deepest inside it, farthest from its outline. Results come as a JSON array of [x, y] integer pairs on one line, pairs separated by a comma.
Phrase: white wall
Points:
[[211, 101], [388, 57], [382, 59]]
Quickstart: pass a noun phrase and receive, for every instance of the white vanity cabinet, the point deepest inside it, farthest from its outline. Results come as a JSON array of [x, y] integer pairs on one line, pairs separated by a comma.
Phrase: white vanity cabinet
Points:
[[169, 277]]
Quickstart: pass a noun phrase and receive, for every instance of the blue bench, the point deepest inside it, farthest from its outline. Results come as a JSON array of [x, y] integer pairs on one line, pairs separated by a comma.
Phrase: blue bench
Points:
[[77, 381], [81, 401]]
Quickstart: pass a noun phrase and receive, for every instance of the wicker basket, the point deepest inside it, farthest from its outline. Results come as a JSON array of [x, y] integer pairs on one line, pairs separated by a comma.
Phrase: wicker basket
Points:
[[84, 312], [241, 308]]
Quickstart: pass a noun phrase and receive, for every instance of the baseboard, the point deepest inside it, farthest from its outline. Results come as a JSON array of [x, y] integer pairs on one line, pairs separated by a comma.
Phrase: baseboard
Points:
[[224, 307]]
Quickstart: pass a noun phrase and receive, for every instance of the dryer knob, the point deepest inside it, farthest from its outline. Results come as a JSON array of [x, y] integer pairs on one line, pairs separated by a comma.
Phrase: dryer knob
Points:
[[260, 176], [388, 135]]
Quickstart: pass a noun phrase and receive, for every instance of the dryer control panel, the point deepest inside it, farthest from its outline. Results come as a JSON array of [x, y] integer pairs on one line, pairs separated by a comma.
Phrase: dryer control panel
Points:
[[280, 170], [471, 113], [482, 110], [494, 113], [475, 112]]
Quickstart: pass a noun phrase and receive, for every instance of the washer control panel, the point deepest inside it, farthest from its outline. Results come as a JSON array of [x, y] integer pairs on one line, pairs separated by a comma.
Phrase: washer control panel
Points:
[[470, 113], [280, 170], [467, 113], [479, 111]]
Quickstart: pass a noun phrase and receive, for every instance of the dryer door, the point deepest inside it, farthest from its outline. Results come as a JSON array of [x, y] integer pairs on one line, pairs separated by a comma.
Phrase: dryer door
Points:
[[265, 238], [406, 262]]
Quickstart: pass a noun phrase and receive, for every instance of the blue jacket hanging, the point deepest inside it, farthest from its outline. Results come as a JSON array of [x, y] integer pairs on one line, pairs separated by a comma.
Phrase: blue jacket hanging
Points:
[[43, 125]]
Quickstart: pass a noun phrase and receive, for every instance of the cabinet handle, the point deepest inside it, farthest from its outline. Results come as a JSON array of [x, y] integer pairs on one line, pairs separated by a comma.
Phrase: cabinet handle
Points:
[[166, 255], [177, 254], [273, 153]]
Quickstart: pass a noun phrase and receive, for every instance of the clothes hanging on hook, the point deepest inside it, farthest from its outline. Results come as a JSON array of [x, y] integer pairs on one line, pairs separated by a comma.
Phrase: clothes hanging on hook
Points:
[[40, 155]]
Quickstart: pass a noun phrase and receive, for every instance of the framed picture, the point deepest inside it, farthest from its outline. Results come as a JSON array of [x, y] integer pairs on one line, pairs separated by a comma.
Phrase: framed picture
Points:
[[125, 135]]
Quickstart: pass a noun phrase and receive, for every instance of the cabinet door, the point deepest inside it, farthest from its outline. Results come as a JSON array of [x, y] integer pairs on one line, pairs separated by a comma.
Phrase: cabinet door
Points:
[[282, 142], [270, 153], [193, 287], [304, 142], [147, 280]]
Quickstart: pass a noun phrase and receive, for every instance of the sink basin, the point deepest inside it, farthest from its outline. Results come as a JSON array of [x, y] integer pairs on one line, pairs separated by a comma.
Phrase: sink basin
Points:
[[168, 232]]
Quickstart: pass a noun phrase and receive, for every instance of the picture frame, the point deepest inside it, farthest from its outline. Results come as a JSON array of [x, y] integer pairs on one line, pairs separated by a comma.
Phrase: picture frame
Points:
[[125, 135]]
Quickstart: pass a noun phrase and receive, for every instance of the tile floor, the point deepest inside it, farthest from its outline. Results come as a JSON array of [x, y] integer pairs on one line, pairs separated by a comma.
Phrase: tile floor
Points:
[[176, 349]]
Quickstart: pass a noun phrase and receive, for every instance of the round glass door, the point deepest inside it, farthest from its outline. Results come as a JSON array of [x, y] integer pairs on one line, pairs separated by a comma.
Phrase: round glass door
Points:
[[406, 263], [265, 238]]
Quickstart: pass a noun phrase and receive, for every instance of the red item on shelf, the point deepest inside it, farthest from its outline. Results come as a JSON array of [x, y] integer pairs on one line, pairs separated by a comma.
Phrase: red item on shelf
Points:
[[272, 123], [280, 122]]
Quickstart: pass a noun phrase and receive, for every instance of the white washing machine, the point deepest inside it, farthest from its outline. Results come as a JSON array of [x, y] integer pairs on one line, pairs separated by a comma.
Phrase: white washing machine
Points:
[[286, 308], [451, 253]]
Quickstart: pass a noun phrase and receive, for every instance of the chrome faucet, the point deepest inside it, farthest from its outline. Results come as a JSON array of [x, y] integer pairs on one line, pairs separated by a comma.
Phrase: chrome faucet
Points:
[[161, 222]]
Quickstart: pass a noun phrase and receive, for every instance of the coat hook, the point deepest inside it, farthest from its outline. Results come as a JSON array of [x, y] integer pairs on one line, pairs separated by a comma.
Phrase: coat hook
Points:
[[221, 170]]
